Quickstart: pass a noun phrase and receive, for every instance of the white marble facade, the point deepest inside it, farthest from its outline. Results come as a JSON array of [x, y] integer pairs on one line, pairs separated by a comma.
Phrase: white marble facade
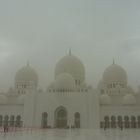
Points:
[[68, 101]]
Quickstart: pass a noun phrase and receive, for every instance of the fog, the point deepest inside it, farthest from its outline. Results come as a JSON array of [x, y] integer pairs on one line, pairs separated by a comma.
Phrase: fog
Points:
[[43, 31]]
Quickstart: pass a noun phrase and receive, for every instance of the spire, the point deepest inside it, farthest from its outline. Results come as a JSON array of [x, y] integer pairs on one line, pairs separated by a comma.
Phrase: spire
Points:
[[69, 51]]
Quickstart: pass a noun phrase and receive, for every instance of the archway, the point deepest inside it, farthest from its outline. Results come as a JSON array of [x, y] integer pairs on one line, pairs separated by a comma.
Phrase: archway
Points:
[[1, 120], [77, 119], [106, 122], [12, 119], [113, 122], [126, 122], [6, 120], [61, 117], [44, 120], [120, 122], [18, 122], [133, 122]]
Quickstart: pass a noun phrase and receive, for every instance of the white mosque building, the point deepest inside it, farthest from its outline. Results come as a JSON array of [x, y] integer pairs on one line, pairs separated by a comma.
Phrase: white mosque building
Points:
[[69, 102]]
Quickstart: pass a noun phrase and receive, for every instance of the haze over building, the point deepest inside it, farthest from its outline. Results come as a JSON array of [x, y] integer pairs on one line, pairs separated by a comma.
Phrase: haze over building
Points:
[[69, 102], [96, 30]]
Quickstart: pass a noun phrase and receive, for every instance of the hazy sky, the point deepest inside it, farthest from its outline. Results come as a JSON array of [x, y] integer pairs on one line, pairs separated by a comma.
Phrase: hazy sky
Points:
[[42, 31]]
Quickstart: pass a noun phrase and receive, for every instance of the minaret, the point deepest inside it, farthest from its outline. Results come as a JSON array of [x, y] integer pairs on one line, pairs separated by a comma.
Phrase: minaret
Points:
[[113, 61], [69, 51], [28, 63]]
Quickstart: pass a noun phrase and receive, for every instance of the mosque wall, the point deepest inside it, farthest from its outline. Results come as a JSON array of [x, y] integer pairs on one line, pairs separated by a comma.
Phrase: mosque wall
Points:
[[69, 101], [11, 110], [72, 101], [119, 111]]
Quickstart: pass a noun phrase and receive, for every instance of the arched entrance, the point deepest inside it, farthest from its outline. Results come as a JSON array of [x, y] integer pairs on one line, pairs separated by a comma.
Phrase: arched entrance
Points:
[[6, 119], [18, 122], [61, 117], [1, 120], [12, 119], [77, 119], [44, 122]]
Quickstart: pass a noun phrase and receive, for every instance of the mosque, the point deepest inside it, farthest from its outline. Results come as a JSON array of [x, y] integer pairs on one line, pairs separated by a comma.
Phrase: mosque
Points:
[[69, 102]]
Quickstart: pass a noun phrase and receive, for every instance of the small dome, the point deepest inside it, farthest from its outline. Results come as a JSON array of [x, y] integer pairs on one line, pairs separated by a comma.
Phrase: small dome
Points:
[[129, 99], [27, 74], [72, 65], [105, 99], [3, 99], [115, 73], [21, 99], [130, 89], [65, 81], [11, 90]]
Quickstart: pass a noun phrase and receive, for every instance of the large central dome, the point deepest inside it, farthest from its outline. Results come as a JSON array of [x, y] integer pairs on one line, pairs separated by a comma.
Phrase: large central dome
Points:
[[72, 65]]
